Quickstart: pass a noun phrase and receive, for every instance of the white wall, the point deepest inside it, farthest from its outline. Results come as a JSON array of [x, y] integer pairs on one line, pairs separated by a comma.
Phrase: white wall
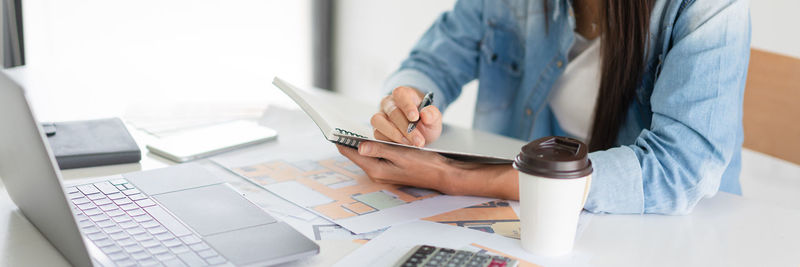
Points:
[[373, 37], [142, 52], [775, 26]]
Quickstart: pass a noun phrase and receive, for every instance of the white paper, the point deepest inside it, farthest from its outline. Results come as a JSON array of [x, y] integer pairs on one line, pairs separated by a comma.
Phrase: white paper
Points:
[[298, 194], [336, 232], [389, 247], [272, 203], [306, 227]]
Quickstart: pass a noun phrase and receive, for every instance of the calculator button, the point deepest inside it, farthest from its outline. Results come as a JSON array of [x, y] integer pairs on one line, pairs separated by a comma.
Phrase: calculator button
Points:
[[426, 249]]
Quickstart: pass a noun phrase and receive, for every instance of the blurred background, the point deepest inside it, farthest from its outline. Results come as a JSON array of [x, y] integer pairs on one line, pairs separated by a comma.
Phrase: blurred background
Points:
[[153, 60], [99, 58]]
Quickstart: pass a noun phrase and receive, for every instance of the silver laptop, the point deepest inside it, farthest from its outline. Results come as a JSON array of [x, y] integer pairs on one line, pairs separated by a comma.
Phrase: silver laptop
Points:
[[175, 216]]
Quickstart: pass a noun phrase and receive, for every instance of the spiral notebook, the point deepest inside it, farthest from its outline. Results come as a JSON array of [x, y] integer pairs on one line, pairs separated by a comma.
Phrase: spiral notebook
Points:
[[346, 121]]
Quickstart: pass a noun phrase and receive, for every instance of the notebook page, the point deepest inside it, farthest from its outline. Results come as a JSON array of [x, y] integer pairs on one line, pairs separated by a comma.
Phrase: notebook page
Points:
[[329, 110]]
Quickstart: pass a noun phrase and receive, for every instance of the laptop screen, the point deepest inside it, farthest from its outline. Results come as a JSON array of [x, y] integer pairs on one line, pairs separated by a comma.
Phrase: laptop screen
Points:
[[31, 177]]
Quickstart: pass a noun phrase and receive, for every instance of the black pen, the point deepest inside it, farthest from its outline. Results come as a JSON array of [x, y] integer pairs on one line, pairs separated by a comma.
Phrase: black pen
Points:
[[426, 101]]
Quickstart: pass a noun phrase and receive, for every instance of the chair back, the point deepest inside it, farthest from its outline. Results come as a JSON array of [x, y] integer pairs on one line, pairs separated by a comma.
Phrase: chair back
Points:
[[771, 114]]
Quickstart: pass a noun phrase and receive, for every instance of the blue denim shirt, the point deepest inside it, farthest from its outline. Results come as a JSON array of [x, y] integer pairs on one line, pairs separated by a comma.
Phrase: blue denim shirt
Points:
[[681, 140]]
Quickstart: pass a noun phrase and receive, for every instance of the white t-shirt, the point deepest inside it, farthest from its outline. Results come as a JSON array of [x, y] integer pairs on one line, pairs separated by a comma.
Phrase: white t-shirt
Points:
[[574, 95]]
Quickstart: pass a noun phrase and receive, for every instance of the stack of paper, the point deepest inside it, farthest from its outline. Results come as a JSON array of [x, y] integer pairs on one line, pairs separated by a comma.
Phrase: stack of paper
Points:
[[339, 191]]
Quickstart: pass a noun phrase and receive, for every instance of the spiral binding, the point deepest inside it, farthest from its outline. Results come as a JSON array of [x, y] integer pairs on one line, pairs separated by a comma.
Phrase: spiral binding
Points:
[[350, 142]]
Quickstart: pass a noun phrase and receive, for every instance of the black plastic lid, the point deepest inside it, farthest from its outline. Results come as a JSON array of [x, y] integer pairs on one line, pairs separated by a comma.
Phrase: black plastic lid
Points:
[[554, 157]]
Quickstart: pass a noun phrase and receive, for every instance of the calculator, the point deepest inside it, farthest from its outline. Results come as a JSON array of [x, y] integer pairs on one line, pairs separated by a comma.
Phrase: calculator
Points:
[[425, 255]]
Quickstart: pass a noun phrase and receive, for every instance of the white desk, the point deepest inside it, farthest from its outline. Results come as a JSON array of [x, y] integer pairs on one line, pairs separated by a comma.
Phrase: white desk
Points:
[[724, 230]]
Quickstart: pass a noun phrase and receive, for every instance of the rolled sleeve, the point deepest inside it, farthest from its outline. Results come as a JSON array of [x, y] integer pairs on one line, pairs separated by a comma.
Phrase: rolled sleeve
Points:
[[616, 182]]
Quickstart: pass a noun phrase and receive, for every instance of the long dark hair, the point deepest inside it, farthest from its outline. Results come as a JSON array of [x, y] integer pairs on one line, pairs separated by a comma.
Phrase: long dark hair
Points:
[[625, 25]]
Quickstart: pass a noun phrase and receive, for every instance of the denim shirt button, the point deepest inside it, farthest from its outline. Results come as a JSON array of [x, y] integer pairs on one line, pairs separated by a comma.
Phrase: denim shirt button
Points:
[[559, 64], [528, 111]]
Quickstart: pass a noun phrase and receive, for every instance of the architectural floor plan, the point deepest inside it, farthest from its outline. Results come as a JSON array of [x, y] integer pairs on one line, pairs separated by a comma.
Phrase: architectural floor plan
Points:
[[340, 191]]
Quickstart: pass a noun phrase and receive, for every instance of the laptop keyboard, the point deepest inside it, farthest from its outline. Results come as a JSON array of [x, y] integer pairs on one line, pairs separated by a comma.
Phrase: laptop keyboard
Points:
[[133, 230]]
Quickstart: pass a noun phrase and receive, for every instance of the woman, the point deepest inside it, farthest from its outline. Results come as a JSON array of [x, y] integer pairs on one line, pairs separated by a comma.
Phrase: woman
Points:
[[654, 87]]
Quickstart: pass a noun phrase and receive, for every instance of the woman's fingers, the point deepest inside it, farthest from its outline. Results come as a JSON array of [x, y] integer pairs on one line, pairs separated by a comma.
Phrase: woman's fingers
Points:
[[399, 120], [400, 108], [398, 165], [378, 135], [430, 126], [394, 124], [407, 99], [395, 154], [387, 104], [388, 130], [371, 153], [362, 161], [375, 168]]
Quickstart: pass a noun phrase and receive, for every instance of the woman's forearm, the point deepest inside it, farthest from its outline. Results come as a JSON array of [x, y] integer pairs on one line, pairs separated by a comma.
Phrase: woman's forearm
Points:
[[499, 181]]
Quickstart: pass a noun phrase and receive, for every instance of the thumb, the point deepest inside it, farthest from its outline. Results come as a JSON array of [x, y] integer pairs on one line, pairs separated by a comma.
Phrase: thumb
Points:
[[378, 150]]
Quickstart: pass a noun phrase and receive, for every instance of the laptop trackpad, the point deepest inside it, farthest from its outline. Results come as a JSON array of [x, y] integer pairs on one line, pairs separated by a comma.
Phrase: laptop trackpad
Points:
[[172, 179], [213, 209], [276, 242]]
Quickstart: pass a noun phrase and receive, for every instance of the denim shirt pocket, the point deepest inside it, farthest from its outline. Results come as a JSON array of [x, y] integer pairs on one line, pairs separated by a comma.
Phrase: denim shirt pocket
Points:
[[501, 67]]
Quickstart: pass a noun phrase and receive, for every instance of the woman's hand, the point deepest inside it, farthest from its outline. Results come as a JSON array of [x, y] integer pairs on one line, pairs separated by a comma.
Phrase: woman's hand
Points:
[[398, 165], [398, 110]]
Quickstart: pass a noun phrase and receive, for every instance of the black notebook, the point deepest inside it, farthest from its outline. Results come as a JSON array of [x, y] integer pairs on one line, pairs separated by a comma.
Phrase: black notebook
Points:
[[78, 144]]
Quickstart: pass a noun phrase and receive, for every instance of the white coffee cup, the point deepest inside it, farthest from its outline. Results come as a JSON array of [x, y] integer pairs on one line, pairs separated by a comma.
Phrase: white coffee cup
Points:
[[554, 180]]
